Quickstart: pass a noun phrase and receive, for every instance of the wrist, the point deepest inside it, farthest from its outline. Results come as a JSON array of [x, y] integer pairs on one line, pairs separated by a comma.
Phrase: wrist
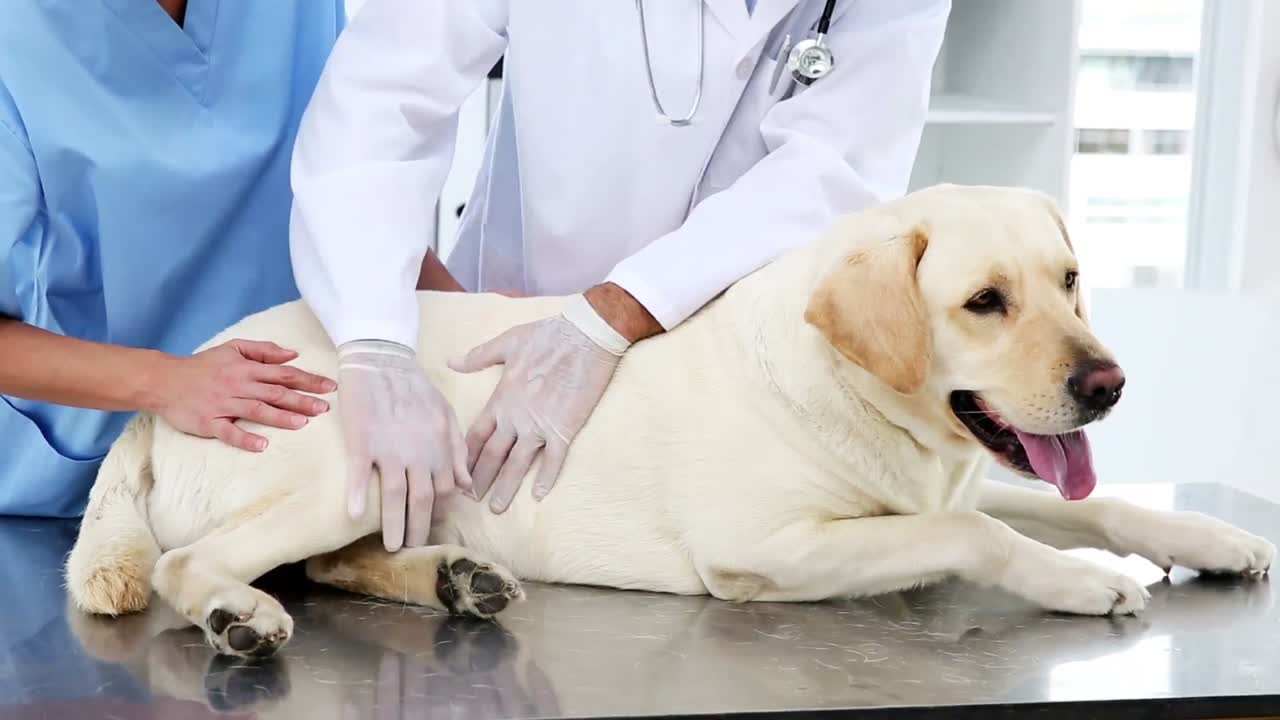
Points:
[[148, 388], [622, 312], [374, 347]]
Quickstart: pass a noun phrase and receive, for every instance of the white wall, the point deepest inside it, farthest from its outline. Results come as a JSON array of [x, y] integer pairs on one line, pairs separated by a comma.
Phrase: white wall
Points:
[[1203, 383]]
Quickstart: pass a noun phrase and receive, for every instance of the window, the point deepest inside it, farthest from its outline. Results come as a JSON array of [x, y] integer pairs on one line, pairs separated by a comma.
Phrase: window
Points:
[[1096, 141], [1135, 108], [1143, 72], [1166, 142]]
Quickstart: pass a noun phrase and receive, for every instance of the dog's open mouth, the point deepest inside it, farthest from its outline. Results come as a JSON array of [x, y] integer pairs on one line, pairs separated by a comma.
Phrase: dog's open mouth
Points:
[[1064, 461]]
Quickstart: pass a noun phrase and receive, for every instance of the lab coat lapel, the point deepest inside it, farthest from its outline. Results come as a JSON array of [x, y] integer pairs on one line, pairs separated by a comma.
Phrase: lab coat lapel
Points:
[[731, 14], [183, 50], [768, 14]]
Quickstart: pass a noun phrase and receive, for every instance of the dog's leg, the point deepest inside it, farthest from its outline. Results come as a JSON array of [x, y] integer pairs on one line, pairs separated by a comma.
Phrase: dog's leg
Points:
[[874, 555], [444, 577], [208, 581], [108, 571], [1188, 539]]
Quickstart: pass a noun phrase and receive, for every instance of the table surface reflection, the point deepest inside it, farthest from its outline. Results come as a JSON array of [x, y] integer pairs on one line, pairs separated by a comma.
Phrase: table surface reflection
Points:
[[1204, 648]]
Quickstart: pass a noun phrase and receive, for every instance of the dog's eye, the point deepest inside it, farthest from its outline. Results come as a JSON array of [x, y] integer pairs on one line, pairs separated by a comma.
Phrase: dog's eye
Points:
[[987, 301], [1072, 275]]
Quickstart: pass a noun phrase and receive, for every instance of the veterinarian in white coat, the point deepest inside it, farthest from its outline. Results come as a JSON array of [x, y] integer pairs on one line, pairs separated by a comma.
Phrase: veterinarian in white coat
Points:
[[588, 189]]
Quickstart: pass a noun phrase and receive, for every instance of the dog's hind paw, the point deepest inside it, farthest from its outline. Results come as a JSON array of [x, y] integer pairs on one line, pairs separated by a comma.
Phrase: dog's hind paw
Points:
[[246, 622], [478, 590]]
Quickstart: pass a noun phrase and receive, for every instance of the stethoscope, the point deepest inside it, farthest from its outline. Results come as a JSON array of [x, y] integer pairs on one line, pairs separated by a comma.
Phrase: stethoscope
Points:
[[808, 61]]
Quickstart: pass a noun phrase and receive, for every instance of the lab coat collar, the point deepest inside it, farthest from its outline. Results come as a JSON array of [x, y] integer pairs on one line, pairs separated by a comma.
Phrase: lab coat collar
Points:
[[748, 30], [731, 14]]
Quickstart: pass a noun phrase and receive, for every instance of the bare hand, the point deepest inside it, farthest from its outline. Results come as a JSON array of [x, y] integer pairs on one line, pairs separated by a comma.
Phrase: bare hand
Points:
[[240, 379]]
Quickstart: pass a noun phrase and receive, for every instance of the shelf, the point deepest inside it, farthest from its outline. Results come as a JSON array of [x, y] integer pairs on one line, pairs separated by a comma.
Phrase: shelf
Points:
[[969, 110]]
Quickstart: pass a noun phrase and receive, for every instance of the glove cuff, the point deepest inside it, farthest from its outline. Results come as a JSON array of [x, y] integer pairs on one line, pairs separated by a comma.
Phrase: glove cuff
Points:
[[377, 347], [584, 317]]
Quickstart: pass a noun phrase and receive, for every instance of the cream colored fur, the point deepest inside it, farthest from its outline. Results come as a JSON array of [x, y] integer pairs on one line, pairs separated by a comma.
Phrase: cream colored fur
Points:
[[759, 451]]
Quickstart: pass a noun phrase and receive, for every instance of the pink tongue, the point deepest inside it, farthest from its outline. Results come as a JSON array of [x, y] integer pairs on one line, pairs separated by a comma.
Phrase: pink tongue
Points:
[[1062, 460]]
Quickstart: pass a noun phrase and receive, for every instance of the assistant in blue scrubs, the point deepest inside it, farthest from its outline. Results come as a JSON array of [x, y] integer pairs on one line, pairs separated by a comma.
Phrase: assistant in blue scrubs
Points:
[[144, 192]]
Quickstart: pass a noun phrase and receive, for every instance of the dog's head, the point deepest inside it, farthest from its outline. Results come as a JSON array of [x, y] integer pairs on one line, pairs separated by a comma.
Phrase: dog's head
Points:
[[968, 297]]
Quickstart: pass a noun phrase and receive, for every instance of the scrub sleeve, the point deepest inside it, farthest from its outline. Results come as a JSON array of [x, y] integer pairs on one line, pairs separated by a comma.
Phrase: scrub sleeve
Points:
[[23, 442]]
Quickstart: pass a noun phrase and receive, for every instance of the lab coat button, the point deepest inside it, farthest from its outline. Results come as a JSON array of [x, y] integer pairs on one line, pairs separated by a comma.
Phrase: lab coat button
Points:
[[744, 69]]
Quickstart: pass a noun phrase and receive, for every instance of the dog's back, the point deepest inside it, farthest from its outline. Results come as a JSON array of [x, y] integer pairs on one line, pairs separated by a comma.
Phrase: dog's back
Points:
[[606, 522]]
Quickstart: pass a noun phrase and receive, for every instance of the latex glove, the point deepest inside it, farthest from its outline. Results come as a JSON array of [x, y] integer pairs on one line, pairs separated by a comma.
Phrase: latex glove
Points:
[[555, 372], [395, 422]]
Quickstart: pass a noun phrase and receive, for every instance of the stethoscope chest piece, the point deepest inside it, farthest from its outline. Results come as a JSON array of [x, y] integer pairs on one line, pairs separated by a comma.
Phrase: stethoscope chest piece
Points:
[[810, 59]]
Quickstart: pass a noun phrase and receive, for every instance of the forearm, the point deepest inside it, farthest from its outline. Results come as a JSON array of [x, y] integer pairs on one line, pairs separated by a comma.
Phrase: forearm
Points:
[[39, 365], [375, 141], [623, 312], [435, 276]]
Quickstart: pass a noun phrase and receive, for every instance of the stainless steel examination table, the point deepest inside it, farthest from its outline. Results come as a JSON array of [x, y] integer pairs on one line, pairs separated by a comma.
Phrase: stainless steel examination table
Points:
[[1205, 648]]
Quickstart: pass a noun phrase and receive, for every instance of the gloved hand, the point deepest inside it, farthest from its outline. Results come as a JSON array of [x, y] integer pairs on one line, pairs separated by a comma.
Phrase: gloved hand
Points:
[[395, 421], [556, 370]]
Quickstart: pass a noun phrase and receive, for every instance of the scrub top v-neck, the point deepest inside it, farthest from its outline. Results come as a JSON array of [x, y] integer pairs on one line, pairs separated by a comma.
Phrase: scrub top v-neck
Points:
[[144, 192]]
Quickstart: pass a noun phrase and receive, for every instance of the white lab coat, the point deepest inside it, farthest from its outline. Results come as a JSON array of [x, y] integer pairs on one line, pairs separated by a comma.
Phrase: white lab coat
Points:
[[580, 183]]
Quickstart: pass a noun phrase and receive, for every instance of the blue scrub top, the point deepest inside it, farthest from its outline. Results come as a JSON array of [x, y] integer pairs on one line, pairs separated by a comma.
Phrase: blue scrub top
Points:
[[144, 192]]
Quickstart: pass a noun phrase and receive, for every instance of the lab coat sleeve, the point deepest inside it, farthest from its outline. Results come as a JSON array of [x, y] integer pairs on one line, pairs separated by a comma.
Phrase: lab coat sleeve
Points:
[[373, 150], [842, 144], [19, 211]]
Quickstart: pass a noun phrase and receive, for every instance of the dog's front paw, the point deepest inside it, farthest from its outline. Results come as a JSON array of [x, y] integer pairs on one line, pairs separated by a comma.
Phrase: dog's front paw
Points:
[[472, 589], [1060, 582], [1199, 542], [246, 622]]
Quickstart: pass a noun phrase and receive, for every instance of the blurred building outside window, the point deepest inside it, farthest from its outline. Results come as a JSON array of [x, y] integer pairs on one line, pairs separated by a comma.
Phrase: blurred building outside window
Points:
[[1135, 107]]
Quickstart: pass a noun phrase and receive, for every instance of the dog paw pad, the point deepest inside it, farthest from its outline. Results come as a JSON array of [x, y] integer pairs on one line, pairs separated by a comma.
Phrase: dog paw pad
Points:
[[478, 590], [257, 632]]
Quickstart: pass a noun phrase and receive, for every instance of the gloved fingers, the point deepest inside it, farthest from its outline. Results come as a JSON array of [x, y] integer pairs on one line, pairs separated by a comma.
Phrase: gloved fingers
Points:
[[493, 352], [287, 376], [262, 351], [264, 414], [359, 475], [491, 458], [394, 487], [553, 456], [458, 456], [228, 432], [285, 399], [421, 495], [513, 471], [482, 428]]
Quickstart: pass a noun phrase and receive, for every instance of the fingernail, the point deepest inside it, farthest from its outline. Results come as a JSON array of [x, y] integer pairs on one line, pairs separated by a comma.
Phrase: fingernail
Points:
[[260, 444], [330, 386], [298, 421], [321, 406], [540, 492]]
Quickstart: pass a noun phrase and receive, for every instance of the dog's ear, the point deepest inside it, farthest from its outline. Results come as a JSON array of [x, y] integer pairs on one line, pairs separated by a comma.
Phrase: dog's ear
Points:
[[1056, 213], [870, 309]]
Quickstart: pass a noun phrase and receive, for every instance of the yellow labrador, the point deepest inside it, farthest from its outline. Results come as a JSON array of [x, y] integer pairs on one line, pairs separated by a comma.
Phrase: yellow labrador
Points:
[[820, 430]]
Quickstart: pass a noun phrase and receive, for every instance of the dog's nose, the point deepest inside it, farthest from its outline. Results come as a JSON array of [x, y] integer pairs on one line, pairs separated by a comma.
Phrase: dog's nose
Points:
[[1097, 387]]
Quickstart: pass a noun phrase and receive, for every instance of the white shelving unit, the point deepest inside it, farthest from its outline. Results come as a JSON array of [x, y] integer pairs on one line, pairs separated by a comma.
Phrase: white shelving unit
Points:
[[1001, 112], [1003, 95]]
